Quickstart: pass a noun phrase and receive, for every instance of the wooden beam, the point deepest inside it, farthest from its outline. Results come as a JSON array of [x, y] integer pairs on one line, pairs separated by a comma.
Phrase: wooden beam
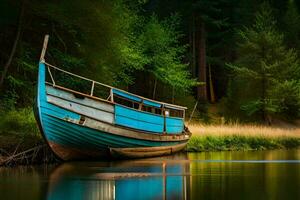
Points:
[[45, 44]]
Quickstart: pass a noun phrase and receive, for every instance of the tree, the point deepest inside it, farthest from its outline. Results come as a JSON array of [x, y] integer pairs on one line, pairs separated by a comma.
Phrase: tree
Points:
[[264, 66], [203, 12], [160, 46]]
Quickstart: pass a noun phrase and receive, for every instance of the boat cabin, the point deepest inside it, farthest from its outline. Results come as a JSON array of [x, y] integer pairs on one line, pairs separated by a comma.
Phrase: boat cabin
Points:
[[147, 115]]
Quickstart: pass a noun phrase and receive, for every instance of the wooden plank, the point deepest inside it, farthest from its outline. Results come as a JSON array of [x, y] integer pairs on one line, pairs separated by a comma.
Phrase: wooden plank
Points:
[[82, 109], [126, 132], [138, 120], [101, 105], [80, 93], [45, 44]]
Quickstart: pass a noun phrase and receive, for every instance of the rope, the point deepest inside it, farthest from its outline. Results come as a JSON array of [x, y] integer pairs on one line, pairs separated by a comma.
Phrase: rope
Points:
[[51, 76], [191, 116]]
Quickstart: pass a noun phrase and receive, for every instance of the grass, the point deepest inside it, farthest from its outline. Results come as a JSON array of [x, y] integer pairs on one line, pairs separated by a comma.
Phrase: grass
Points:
[[20, 140], [18, 122], [18, 131], [242, 137]]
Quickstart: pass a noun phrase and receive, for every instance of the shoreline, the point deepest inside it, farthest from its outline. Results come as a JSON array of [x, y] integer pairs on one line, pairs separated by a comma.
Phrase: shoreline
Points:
[[28, 149], [41, 154], [240, 143]]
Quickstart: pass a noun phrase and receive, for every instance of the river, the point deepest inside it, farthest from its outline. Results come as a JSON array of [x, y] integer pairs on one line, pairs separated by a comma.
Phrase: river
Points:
[[208, 175]]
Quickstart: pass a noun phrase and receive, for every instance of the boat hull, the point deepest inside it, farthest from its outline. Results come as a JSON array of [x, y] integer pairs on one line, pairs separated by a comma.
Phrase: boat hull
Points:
[[68, 153], [70, 141]]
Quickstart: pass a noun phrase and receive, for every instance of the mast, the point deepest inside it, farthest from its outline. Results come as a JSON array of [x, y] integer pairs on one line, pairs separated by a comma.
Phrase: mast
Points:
[[45, 44]]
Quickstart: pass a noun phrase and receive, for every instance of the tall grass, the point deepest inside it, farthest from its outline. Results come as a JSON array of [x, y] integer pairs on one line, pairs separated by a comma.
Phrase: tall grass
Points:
[[18, 131], [241, 137], [244, 130], [18, 121]]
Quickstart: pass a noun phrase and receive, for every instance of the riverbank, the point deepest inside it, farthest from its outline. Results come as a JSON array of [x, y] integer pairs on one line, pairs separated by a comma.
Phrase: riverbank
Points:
[[242, 138], [21, 142], [23, 149]]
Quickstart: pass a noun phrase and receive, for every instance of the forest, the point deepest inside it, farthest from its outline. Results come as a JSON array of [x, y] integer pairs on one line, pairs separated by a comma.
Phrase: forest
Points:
[[231, 60]]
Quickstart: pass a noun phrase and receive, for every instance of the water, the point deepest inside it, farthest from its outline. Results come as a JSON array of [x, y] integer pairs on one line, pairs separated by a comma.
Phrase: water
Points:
[[218, 175]]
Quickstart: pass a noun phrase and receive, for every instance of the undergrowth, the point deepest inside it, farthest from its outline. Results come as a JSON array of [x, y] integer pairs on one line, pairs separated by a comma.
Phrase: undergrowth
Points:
[[239, 142]]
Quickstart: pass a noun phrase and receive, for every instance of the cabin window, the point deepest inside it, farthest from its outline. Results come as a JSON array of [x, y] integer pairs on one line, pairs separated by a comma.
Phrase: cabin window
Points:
[[158, 111], [136, 105], [146, 108], [174, 113], [125, 102], [151, 110]]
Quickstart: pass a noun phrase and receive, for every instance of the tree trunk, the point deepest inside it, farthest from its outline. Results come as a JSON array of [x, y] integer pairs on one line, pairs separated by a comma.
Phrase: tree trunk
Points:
[[211, 87], [264, 113], [264, 89], [154, 88], [201, 90], [173, 95], [14, 47], [193, 45]]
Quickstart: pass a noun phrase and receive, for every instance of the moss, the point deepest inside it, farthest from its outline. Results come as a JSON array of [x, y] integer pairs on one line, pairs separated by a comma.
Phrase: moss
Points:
[[236, 142]]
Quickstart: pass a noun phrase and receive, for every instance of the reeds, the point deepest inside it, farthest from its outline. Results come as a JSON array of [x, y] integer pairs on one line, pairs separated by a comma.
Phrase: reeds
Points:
[[243, 130], [242, 137]]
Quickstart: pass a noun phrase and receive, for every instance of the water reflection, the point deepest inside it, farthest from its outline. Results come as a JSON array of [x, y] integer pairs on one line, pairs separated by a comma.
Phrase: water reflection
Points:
[[138, 179], [245, 175], [219, 175]]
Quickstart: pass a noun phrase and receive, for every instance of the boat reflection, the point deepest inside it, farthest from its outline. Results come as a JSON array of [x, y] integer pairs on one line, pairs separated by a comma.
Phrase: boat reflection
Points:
[[155, 178]]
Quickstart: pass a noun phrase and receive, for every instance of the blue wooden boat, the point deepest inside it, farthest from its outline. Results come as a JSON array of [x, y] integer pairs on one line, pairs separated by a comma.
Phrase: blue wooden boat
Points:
[[78, 125]]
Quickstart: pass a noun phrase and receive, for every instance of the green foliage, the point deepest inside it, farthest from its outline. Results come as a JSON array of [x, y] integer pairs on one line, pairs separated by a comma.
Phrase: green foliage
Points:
[[130, 54], [117, 42], [240, 143], [286, 98], [8, 101], [161, 48], [18, 121], [18, 88], [69, 63], [263, 68]]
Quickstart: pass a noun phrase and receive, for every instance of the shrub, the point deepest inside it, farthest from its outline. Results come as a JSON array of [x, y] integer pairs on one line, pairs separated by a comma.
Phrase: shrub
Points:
[[20, 121]]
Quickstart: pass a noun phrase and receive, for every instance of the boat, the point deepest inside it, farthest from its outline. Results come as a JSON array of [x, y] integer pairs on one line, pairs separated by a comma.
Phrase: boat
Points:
[[80, 125]]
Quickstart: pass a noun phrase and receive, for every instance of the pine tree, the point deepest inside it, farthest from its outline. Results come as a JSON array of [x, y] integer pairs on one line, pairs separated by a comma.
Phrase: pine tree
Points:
[[263, 68]]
